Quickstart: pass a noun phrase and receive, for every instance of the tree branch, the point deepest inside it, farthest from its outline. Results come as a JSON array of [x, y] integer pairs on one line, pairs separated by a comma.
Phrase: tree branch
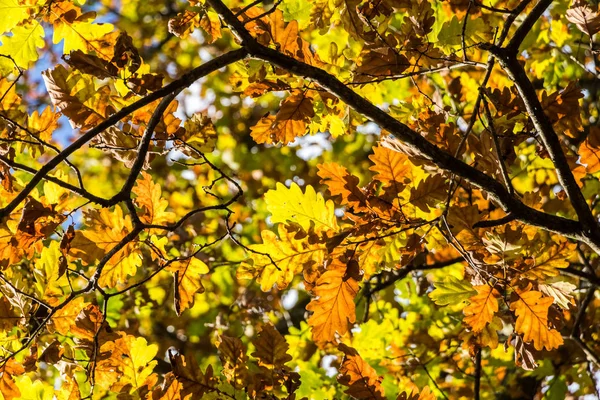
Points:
[[404, 271], [417, 144], [549, 137], [185, 81]]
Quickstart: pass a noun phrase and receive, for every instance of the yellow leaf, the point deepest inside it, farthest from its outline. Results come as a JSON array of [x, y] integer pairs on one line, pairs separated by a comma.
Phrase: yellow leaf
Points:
[[85, 36], [22, 45], [63, 320], [289, 255], [307, 209], [105, 230], [531, 310], [12, 12], [188, 282], [333, 308], [482, 308], [200, 133]]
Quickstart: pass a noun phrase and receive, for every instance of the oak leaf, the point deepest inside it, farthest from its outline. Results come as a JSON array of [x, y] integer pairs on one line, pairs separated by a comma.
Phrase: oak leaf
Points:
[[531, 310], [190, 377], [289, 123], [308, 209], [452, 291], [482, 307], [582, 15], [589, 151], [188, 282], [277, 260], [377, 63], [149, 199], [271, 348], [333, 308], [391, 167], [362, 379], [232, 353], [133, 361], [341, 183], [8, 387]]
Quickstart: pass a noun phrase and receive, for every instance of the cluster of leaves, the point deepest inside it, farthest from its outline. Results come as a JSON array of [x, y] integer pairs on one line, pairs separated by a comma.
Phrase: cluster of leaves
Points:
[[339, 198]]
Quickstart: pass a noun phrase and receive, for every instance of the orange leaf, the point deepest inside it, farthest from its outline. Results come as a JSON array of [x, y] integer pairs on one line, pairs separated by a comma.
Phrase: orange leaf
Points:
[[589, 151], [531, 310], [391, 166], [289, 123], [342, 183], [482, 308], [149, 199], [333, 309]]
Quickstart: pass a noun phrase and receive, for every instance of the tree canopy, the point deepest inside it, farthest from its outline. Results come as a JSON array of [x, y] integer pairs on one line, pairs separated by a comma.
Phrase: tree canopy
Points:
[[232, 199]]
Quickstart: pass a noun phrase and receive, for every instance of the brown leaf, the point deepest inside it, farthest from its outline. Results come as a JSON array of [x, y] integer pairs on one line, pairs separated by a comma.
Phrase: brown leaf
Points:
[[362, 379], [90, 64], [582, 15], [184, 23], [193, 381], [289, 123], [379, 63], [271, 348], [232, 353]]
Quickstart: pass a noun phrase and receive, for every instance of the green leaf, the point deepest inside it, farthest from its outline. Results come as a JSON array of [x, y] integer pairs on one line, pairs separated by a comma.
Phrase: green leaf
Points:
[[451, 291]]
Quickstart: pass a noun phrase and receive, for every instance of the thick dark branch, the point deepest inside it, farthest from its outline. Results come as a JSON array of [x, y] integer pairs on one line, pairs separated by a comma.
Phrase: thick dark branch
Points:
[[582, 308], [185, 81], [143, 148], [549, 137], [477, 387], [494, 222], [413, 140], [527, 25]]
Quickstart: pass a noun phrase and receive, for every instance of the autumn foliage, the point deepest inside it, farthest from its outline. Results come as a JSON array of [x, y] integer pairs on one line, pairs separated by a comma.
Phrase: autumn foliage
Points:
[[231, 199]]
